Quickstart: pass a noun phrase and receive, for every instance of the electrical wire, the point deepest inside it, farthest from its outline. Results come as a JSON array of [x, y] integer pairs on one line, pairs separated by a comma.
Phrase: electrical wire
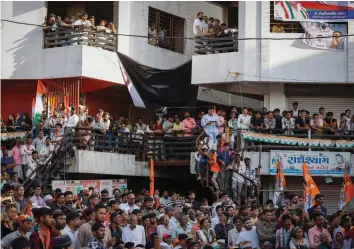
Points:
[[183, 37]]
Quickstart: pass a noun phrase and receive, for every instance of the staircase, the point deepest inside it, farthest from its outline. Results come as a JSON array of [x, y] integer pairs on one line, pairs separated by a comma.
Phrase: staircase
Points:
[[53, 167]]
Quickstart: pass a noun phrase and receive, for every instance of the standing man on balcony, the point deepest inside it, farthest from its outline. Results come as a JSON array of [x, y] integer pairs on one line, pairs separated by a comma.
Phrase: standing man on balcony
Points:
[[73, 119], [189, 124], [210, 123], [198, 24]]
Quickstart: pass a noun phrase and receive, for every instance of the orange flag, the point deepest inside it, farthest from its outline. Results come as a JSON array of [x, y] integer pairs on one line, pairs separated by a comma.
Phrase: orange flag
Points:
[[310, 187], [214, 109], [28, 209], [152, 177], [280, 182], [348, 187], [108, 217]]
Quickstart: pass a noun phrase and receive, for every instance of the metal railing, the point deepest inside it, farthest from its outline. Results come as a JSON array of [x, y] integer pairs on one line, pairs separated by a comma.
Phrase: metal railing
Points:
[[212, 45], [161, 147], [72, 37]]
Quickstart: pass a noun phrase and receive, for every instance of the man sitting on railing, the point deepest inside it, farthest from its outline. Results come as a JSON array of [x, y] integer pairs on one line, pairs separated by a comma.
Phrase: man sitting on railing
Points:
[[288, 123], [210, 123]]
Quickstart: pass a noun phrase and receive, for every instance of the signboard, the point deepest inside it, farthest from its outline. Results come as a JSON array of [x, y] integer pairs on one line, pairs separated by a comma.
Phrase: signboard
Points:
[[324, 35], [76, 186], [319, 163], [314, 10]]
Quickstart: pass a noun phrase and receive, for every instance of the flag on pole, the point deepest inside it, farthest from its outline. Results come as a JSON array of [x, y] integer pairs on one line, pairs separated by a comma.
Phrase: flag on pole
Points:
[[152, 177], [347, 193], [39, 107], [280, 182], [107, 221], [214, 109], [28, 208], [310, 187]]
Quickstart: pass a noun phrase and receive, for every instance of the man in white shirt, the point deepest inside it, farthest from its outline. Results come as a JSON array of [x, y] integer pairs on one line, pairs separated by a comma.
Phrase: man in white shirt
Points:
[[248, 234], [198, 24], [32, 164], [134, 232], [244, 120], [130, 206], [83, 21], [73, 119], [140, 124], [216, 220], [46, 150], [73, 223], [235, 232]]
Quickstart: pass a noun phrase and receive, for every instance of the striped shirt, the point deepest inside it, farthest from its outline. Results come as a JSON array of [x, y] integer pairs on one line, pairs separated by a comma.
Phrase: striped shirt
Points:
[[170, 203]]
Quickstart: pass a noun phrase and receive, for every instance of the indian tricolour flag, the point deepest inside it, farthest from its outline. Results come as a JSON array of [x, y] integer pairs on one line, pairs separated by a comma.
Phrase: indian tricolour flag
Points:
[[39, 107]]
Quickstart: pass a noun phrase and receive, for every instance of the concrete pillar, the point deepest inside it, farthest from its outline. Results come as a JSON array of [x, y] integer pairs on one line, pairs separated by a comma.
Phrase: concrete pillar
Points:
[[276, 97], [249, 27]]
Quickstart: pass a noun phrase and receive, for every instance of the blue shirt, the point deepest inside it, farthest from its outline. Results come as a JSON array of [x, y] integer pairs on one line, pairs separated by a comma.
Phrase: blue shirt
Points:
[[8, 160], [323, 211], [210, 128], [225, 156]]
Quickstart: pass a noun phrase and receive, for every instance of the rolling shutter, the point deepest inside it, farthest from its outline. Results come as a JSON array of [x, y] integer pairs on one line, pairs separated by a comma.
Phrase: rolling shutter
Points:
[[312, 104]]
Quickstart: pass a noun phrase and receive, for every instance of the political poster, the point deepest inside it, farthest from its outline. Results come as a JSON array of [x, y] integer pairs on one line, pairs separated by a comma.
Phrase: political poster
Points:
[[312, 10], [325, 35], [319, 163], [76, 186]]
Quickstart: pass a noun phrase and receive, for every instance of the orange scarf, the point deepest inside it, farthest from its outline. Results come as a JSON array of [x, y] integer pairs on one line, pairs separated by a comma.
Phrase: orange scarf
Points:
[[44, 237]]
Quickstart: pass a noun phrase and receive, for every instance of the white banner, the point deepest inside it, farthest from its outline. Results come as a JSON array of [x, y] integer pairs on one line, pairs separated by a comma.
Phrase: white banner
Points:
[[324, 35], [319, 163]]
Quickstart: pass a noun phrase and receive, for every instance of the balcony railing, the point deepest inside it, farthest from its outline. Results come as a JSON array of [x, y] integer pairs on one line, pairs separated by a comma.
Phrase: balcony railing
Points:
[[212, 45], [72, 37], [144, 146]]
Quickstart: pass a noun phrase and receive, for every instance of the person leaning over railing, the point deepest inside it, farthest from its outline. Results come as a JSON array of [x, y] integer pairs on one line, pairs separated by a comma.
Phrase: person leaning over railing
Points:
[[316, 124], [288, 123]]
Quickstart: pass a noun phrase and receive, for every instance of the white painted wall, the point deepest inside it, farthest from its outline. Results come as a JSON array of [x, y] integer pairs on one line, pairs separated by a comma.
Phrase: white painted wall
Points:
[[137, 13], [292, 60], [21, 45]]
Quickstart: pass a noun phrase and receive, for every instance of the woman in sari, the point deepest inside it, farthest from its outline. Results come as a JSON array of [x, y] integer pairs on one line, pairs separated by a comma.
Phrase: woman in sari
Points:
[[205, 235]]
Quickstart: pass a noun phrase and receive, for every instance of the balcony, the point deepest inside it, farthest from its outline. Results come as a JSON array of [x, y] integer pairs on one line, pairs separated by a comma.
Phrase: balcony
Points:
[[216, 45], [67, 37]]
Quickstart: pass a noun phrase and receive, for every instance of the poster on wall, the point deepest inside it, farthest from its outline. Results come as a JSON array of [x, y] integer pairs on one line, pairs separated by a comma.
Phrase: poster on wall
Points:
[[76, 186], [319, 163], [323, 35], [314, 10]]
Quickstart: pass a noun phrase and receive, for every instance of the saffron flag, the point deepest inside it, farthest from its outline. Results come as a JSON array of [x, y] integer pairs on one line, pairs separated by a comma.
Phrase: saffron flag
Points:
[[347, 193], [280, 182], [108, 217], [39, 106], [310, 187], [152, 177], [28, 209]]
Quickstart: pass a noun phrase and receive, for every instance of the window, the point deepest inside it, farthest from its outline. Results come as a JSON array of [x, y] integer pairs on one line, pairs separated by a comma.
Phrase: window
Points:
[[163, 25]]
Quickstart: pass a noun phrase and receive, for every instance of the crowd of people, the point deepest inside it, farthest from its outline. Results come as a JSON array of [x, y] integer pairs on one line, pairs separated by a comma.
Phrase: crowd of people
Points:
[[61, 220], [79, 22], [77, 25], [204, 27]]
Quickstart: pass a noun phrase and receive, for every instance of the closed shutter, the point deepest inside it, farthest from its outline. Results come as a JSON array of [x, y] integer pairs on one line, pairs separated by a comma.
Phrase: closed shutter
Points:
[[330, 191], [312, 104]]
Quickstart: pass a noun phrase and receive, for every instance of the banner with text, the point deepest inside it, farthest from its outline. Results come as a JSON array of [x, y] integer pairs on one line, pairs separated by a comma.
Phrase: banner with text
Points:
[[325, 35], [312, 10], [76, 186], [319, 163]]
